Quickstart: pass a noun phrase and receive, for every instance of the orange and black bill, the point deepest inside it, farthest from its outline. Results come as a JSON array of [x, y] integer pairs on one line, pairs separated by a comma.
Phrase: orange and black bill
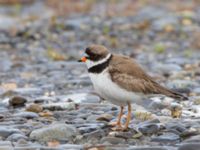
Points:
[[83, 59]]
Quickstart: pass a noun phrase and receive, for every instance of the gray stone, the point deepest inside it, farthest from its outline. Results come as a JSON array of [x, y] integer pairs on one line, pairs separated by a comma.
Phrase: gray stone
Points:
[[2, 147], [92, 118], [22, 142], [193, 139], [149, 127], [54, 132], [189, 146], [112, 140], [174, 125], [152, 148], [27, 115], [60, 106], [15, 137], [157, 104], [89, 127], [166, 138], [71, 147], [5, 143], [6, 131], [125, 135], [30, 147]]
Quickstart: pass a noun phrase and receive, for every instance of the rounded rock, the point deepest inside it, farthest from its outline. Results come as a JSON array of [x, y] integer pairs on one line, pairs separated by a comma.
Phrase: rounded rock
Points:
[[34, 108], [17, 101], [58, 132]]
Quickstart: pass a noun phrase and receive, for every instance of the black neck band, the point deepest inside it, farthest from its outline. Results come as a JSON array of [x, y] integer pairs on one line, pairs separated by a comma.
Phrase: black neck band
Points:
[[100, 67]]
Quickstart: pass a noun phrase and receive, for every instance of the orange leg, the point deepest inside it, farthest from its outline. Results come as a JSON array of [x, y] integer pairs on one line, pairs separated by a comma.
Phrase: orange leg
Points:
[[128, 117], [118, 123]]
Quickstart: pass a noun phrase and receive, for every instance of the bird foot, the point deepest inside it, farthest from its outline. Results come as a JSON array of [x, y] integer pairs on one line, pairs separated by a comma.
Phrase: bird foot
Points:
[[114, 124], [119, 128]]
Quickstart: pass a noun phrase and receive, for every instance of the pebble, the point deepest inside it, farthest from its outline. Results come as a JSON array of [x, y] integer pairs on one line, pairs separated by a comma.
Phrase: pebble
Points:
[[60, 106], [144, 126], [152, 148], [34, 108], [6, 145], [90, 127], [196, 100], [157, 104], [189, 146], [176, 110], [112, 140], [166, 138], [149, 128], [1, 117], [56, 131], [6, 131], [92, 118], [125, 135], [15, 137], [27, 115], [71, 147], [17, 101], [193, 139], [105, 117]]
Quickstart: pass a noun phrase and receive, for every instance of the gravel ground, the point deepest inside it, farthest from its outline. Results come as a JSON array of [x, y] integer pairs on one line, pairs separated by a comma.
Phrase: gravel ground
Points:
[[46, 97]]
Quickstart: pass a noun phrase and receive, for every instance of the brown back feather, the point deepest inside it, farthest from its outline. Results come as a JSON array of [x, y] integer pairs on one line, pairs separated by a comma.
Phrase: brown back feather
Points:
[[130, 76]]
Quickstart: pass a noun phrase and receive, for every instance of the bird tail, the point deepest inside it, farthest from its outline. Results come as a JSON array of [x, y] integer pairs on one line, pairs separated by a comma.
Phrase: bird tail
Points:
[[172, 94], [177, 95]]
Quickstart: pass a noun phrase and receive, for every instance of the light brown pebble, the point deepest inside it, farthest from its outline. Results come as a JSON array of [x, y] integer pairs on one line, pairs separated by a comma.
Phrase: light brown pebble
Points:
[[105, 117], [34, 108]]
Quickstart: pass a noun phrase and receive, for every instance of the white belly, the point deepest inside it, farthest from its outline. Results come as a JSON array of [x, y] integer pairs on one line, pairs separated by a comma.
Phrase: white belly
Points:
[[111, 91]]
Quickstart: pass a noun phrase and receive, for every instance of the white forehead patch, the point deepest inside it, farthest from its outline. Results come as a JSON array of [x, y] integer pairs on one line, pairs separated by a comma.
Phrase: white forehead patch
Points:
[[91, 63]]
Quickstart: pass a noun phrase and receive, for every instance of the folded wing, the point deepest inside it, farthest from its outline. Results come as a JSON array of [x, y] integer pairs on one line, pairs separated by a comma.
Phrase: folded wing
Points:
[[130, 76]]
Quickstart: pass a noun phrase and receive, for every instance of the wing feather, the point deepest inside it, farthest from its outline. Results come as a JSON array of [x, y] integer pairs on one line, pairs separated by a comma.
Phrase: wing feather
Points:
[[130, 76]]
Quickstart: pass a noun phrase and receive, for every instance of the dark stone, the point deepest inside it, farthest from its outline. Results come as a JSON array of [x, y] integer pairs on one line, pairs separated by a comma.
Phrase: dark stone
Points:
[[190, 146], [17, 101]]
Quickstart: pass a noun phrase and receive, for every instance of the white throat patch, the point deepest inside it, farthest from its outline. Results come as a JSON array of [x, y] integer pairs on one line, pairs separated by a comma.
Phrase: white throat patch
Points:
[[90, 63]]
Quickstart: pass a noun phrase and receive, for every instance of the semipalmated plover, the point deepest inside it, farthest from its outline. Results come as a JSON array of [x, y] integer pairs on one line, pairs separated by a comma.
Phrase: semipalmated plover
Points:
[[120, 80]]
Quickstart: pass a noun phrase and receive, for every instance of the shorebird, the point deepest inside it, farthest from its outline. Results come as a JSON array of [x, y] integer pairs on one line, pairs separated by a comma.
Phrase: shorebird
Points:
[[120, 80]]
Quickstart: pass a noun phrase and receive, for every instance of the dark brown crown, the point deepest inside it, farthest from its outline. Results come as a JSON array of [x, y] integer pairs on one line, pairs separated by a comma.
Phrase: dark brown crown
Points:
[[96, 52]]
